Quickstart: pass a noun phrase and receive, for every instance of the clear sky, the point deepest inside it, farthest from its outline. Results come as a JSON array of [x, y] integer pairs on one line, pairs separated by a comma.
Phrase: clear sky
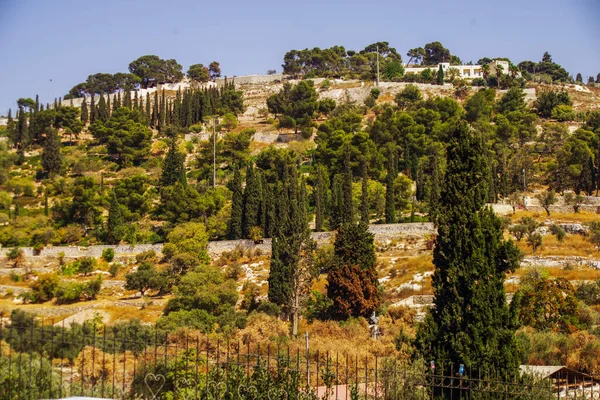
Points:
[[67, 40]]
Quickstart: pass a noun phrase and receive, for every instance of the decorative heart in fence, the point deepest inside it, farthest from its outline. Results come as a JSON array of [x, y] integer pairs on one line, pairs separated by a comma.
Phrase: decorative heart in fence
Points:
[[186, 383], [152, 379]]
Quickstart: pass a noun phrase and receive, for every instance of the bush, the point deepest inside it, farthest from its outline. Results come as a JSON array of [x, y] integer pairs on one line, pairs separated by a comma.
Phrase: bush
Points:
[[108, 254], [269, 308], [563, 113], [559, 232], [114, 268], [86, 265], [68, 292], [478, 82], [43, 289]]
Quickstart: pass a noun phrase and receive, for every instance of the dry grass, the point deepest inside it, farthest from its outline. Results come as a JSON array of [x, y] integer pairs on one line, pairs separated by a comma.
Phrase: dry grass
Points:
[[578, 273], [572, 245]]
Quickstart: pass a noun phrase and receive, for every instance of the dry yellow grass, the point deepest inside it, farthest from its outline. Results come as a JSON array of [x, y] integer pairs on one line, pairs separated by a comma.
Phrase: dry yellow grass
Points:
[[572, 245], [578, 273]]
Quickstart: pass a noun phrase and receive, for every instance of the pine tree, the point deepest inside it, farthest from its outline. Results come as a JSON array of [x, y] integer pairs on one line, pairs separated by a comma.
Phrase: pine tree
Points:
[[173, 167], [352, 281], [470, 323], [51, 156], [252, 201], [440, 76], [579, 78], [116, 220], [234, 230], [84, 111], [155, 111], [390, 195]]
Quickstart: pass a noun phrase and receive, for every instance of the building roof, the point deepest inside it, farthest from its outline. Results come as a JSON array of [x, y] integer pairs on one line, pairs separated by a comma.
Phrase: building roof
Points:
[[556, 372]]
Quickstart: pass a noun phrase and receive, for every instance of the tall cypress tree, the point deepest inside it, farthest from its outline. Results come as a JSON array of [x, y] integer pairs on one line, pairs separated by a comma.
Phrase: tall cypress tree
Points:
[[108, 109], [93, 111], [127, 99], [252, 201], [84, 111], [337, 202], [234, 230], [136, 102], [440, 76], [51, 156], [320, 195], [114, 225], [173, 167], [390, 193], [102, 110], [364, 196], [347, 206], [117, 101], [148, 109], [470, 323], [291, 234]]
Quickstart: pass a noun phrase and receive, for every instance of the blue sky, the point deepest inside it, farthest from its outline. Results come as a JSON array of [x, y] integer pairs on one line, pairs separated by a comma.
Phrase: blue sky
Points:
[[68, 40]]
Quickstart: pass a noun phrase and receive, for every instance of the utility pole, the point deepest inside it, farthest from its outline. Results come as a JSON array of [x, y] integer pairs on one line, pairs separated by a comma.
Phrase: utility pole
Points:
[[377, 65], [214, 152]]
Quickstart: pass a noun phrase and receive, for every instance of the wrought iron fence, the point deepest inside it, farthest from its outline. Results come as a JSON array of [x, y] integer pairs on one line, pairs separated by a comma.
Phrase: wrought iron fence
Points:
[[40, 361]]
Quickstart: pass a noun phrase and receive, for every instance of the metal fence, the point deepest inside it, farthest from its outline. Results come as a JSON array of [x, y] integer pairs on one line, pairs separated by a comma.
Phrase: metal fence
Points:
[[44, 362]]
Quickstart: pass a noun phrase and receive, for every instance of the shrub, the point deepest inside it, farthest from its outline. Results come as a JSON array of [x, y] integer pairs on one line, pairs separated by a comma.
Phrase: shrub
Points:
[[559, 232], [269, 308], [86, 265], [43, 289], [114, 268], [108, 254], [563, 112], [68, 292]]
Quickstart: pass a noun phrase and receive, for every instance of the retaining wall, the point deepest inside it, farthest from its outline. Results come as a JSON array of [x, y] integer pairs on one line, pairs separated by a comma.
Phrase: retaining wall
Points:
[[215, 248]]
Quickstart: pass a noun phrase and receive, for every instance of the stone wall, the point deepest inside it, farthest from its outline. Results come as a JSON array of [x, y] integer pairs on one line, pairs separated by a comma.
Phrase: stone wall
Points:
[[215, 248]]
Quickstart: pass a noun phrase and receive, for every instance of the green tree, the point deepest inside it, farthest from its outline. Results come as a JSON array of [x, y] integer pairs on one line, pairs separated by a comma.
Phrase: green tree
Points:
[[51, 155], [470, 323], [320, 197], [298, 102], [214, 69], [390, 195], [198, 73], [435, 53], [547, 100], [409, 96], [186, 247], [290, 245], [125, 134], [252, 201], [116, 222], [546, 199], [151, 67], [440, 76], [84, 111], [234, 230], [142, 279], [173, 167], [416, 54]]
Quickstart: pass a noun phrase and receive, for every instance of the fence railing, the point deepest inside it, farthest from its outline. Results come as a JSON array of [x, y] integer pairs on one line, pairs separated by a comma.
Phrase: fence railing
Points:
[[44, 362]]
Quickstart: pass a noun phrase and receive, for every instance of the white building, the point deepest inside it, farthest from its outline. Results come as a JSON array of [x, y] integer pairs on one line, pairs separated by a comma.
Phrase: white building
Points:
[[463, 71]]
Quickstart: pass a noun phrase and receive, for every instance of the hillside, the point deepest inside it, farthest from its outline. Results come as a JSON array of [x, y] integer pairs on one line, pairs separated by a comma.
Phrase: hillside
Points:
[[122, 188]]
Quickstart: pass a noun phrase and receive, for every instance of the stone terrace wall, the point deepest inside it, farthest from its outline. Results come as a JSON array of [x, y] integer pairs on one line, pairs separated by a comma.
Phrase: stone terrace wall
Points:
[[215, 248]]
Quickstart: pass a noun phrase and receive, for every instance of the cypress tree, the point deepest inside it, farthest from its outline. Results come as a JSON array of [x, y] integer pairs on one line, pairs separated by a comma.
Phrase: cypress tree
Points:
[[51, 156], [148, 109], [162, 114], [390, 195], [117, 101], [136, 102], [252, 201], [173, 167], [320, 193], [127, 99], [470, 322], [155, 117], [352, 281], [22, 136], [93, 111], [46, 207], [364, 196], [234, 230], [437, 175], [440, 76], [114, 225], [108, 109], [347, 210], [102, 111], [337, 200], [84, 111], [263, 203], [290, 235], [271, 195]]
